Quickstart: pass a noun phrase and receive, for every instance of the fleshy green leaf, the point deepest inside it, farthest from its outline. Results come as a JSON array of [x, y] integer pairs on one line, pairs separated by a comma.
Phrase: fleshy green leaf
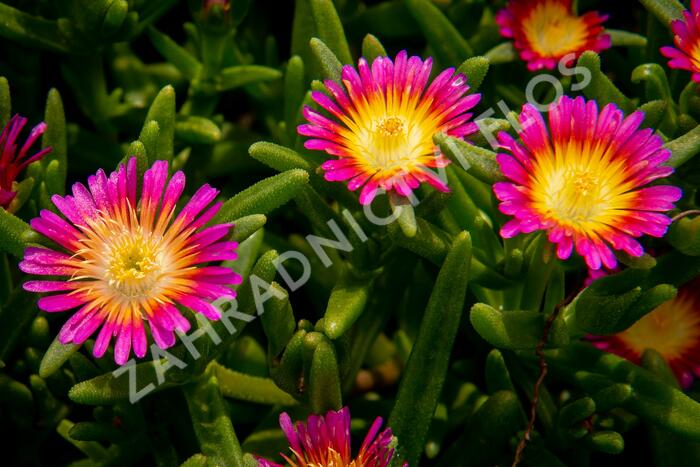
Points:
[[266, 270], [187, 64], [264, 196], [162, 111], [429, 241], [247, 226], [609, 442], [197, 130], [5, 102], [56, 138], [665, 10], [278, 157], [324, 378], [114, 18], [149, 138], [211, 422], [92, 449], [651, 399], [655, 79], [23, 191], [426, 369], [575, 412], [475, 69], [198, 460], [54, 358], [289, 373], [450, 46], [108, 389], [372, 48], [31, 30], [479, 162], [654, 113], [15, 234], [486, 436], [250, 388], [278, 321], [138, 150], [514, 329], [684, 235], [345, 305], [497, 374], [405, 214], [240, 75], [96, 431], [684, 148], [601, 88], [625, 38], [330, 30], [328, 63], [18, 399], [294, 92], [502, 53]]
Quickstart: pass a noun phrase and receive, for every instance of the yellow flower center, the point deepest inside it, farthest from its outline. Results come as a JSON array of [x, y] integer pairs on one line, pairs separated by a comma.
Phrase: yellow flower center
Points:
[[133, 263], [695, 55], [553, 31], [670, 329], [390, 127], [391, 132], [580, 187], [574, 195], [332, 458], [388, 142], [123, 263]]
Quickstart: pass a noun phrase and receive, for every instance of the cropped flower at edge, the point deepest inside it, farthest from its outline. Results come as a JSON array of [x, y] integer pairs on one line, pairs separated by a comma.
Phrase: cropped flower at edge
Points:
[[686, 54], [125, 261], [582, 180], [381, 130], [15, 158], [545, 31], [325, 441], [672, 329]]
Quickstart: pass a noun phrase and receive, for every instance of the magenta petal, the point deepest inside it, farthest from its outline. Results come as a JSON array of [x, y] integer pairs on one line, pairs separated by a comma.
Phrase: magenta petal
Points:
[[83, 318], [201, 306], [164, 338], [369, 191], [55, 303], [48, 286], [510, 229], [103, 339], [139, 342], [122, 348]]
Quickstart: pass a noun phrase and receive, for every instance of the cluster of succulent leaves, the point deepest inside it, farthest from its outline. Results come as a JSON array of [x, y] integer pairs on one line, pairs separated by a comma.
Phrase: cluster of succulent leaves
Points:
[[431, 322]]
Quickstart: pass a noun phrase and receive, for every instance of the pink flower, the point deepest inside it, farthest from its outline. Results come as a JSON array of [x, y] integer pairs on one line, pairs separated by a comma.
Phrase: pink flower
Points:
[[225, 5], [582, 179], [686, 54], [381, 130], [127, 259], [545, 31], [325, 441], [14, 159], [672, 329]]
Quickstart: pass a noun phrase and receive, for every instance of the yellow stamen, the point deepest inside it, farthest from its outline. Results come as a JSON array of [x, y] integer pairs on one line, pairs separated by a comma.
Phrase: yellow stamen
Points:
[[391, 133], [670, 329], [127, 265], [554, 31], [580, 187], [695, 55], [133, 263], [390, 127]]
